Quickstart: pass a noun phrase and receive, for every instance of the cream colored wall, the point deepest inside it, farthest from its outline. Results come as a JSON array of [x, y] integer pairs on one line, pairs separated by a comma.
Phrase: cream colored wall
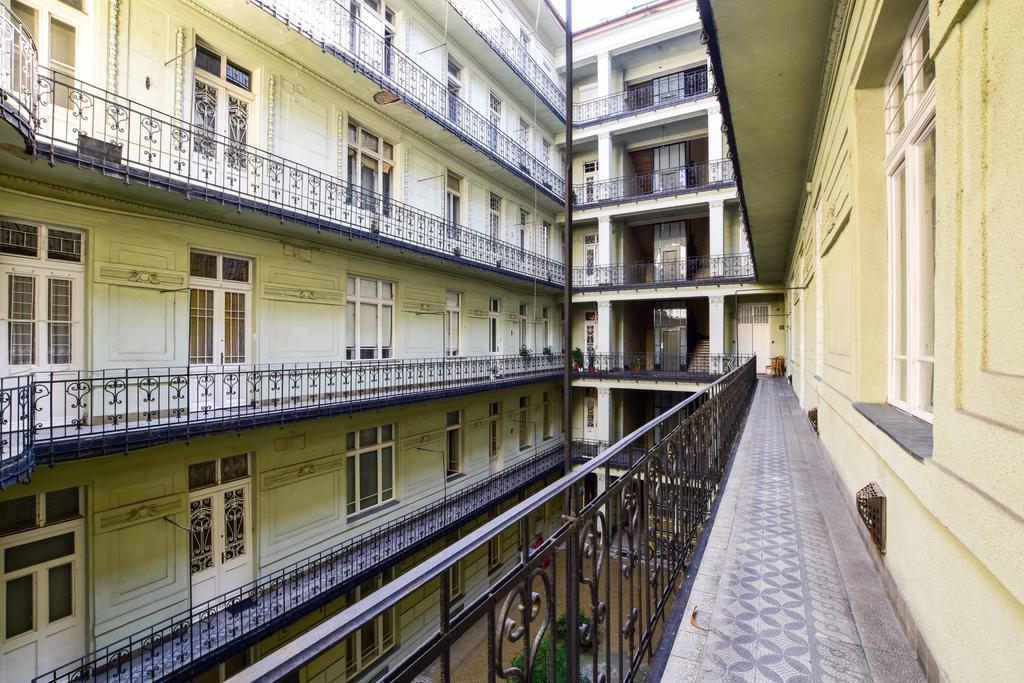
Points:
[[955, 534]]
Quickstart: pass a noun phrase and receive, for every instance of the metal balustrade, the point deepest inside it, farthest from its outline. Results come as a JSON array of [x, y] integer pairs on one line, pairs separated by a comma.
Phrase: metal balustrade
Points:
[[696, 177], [683, 367], [645, 274], [195, 639], [481, 17], [49, 416], [589, 602], [18, 66], [645, 97], [330, 25]]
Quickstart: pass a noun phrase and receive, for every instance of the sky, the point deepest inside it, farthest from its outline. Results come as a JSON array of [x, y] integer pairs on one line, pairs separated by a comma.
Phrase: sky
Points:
[[589, 12]]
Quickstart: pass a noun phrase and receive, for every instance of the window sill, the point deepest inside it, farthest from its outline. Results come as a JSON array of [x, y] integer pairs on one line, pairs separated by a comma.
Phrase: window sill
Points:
[[912, 434], [455, 477], [370, 512]]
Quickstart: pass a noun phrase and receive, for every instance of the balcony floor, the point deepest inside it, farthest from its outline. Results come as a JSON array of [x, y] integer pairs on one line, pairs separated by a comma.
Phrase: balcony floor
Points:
[[786, 589]]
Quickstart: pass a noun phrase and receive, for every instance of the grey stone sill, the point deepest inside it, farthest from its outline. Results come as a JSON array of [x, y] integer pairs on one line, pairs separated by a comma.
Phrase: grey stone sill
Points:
[[913, 434], [370, 512]]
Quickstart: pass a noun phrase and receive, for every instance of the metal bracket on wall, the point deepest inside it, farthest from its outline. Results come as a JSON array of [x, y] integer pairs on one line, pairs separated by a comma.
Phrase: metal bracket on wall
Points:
[[871, 506]]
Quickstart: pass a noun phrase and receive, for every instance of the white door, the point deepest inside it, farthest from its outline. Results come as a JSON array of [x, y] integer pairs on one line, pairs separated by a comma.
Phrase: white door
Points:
[[43, 621], [590, 259], [589, 181], [220, 557], [590, 335], [753, 333], [590, 414]]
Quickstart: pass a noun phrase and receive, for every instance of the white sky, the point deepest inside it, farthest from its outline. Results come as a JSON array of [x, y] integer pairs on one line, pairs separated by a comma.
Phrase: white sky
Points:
[[589, 12]]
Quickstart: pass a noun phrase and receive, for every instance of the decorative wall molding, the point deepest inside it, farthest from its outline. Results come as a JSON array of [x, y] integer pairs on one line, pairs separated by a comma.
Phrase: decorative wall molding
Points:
[[271, 106], [138, 513], [179, 71], [284, 292], [113, 46], [283, 476], [120, 274]]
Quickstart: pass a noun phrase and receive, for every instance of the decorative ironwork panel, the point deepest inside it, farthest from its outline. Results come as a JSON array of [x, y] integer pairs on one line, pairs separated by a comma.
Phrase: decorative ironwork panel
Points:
[[201, 536], [234, 524], [871, 506]]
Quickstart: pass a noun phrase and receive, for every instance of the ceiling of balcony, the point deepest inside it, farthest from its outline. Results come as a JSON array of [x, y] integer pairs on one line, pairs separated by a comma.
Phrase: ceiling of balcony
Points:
[[772, 56]]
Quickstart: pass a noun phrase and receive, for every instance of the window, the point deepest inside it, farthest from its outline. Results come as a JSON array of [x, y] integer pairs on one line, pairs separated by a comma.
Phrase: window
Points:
[[454, 87], [910, 164], [455, 581], [34, 512], [543, 239], [55, 29], [547, 151], [494, 552], [219, 300], [452, 323], [545, 330], [494, 436], [453, 204], [370, 164], [369, 467], [525, 437], [453, 437], [494, 217], [524, 221], [524, 324], [221, 104], [494, 326], [364, 647], [590, 255], [369, 318], [546, 416], [589, 181], [42, 270], [494, 113], [225, 470], [524, 141]]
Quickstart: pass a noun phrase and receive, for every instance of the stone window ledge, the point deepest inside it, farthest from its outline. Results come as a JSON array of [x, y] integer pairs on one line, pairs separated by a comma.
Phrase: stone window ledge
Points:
[[913, 434]]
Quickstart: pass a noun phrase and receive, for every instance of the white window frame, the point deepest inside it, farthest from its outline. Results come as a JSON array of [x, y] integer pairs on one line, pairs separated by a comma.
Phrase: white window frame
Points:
[[78, 20], [220, 288], [525, 434], [494, 326], [454, 464], [453, 324], [355, 448], [385, 636], [383, 156], [905, 159], [494, 434], [225, 91], [546, 430], [494, 216], [42, 268], [524, 326], [385, 307]]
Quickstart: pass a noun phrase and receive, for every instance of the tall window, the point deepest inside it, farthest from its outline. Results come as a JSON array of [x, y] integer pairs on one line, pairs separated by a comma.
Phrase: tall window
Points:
[[369, 467], [910, 164], [494, 436], [546, 431], [525, 435], [369, 318], [453, 204], [494, 326], [524, 324], [524, 141], [364, 647], [494, 218], [453, 436], [494, 552], [545, 330], [547, 151], [544, 239], [42, 270], [524, 221], [495, 117], [370, 163], [452, 323], [221, 105], [454, 87], [55, 29], [219, 300]]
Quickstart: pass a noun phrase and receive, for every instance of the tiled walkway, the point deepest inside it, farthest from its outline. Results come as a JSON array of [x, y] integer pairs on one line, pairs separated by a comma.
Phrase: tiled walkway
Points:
[[786, 590]]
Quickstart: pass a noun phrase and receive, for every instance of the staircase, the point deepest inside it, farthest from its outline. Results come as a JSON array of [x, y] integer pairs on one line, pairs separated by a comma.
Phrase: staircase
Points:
[[697, 357]]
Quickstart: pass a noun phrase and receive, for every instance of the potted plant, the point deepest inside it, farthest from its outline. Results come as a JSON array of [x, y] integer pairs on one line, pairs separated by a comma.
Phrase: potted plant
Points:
[[591, 358], [524, 353], [577, 358], [494, 372], [637, 365], [547, 351]]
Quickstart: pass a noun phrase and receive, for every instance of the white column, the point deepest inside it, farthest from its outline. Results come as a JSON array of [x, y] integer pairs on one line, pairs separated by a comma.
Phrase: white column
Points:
[[604, 74], [716, 329], [604, 327], [715, 133], [604, 156], [716, 236], [604, 414]]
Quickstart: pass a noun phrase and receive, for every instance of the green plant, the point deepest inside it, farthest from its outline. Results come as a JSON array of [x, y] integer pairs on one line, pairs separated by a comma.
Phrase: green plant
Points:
[[524, 352], [547, 351], [591, 357], [577, 357], [542, 663]]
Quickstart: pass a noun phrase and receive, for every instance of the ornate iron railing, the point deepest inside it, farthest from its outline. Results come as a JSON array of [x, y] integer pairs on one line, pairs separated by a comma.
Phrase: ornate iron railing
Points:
[[195, 639], [609, 572], [696, 177], [330, 25], [642, 274], [510, 48], [691, 85], [93, 128], [18, 66], [691, 366], [48, 416]]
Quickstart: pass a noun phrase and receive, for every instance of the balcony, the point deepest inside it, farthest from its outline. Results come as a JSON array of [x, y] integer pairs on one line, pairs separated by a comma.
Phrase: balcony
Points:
[[481, 17], [694, 270], [330, 25], [693, 367], [196, 639], [609, 572], [649, 96], [53, 416], [695, 177]]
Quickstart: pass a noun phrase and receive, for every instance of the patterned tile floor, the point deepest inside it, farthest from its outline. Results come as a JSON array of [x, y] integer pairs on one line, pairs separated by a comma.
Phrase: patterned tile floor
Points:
[[786, 590]]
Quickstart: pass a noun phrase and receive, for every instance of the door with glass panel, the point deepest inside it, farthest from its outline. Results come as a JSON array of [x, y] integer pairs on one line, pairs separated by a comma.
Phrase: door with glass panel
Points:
[[452, 323], [220, 523], [222, 107], [370, 162], [589, 181], [220, 329], [590, 414], [669, 171], [590, 259], [44, 624]]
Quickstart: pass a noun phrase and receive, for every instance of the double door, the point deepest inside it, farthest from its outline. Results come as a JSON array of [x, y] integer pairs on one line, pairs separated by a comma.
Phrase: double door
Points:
[[753, 335], [220, 542]]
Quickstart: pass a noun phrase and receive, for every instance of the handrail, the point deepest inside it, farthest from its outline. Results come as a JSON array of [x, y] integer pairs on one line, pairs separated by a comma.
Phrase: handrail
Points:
[[481, 17], [99, 129], [692, 177], [709, 419], [695, 365], [692, 269], [330, 25], [645, 97], [18, 63]]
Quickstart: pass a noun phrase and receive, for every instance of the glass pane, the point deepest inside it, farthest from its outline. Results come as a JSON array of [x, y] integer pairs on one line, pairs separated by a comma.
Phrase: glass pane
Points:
[[387, 290], [367, 479], [62, 47], [37, 552], [900, 269], [202, 265], [201, 536], [367, 437], [207, 60], [368, 326], [236, 269], [239, 76], [386, 433], [350, 331], [201, 326], [234, 327], [370, 142], [385, 324], [64, 245], [62, 505], [18, 238], [927, 64], [926, 249], [17, 514], [202, 474], [350, 485], [59, 585], [20, 599], [59, 328], [368, 642], [368, 288], [234, 524], [350, 440], [27, 16], [387, 473], [234, 467]]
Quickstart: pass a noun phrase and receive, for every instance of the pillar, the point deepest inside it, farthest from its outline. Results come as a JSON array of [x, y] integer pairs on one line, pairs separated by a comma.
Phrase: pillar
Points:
[[604, 414], [716, 236], [715, 151], [604, 241], [604, 74], [604, 327]]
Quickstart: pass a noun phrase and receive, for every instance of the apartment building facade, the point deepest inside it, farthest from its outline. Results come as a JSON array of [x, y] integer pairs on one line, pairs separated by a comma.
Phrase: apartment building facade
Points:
[[665, 294], [901, 258], [282, 297]]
